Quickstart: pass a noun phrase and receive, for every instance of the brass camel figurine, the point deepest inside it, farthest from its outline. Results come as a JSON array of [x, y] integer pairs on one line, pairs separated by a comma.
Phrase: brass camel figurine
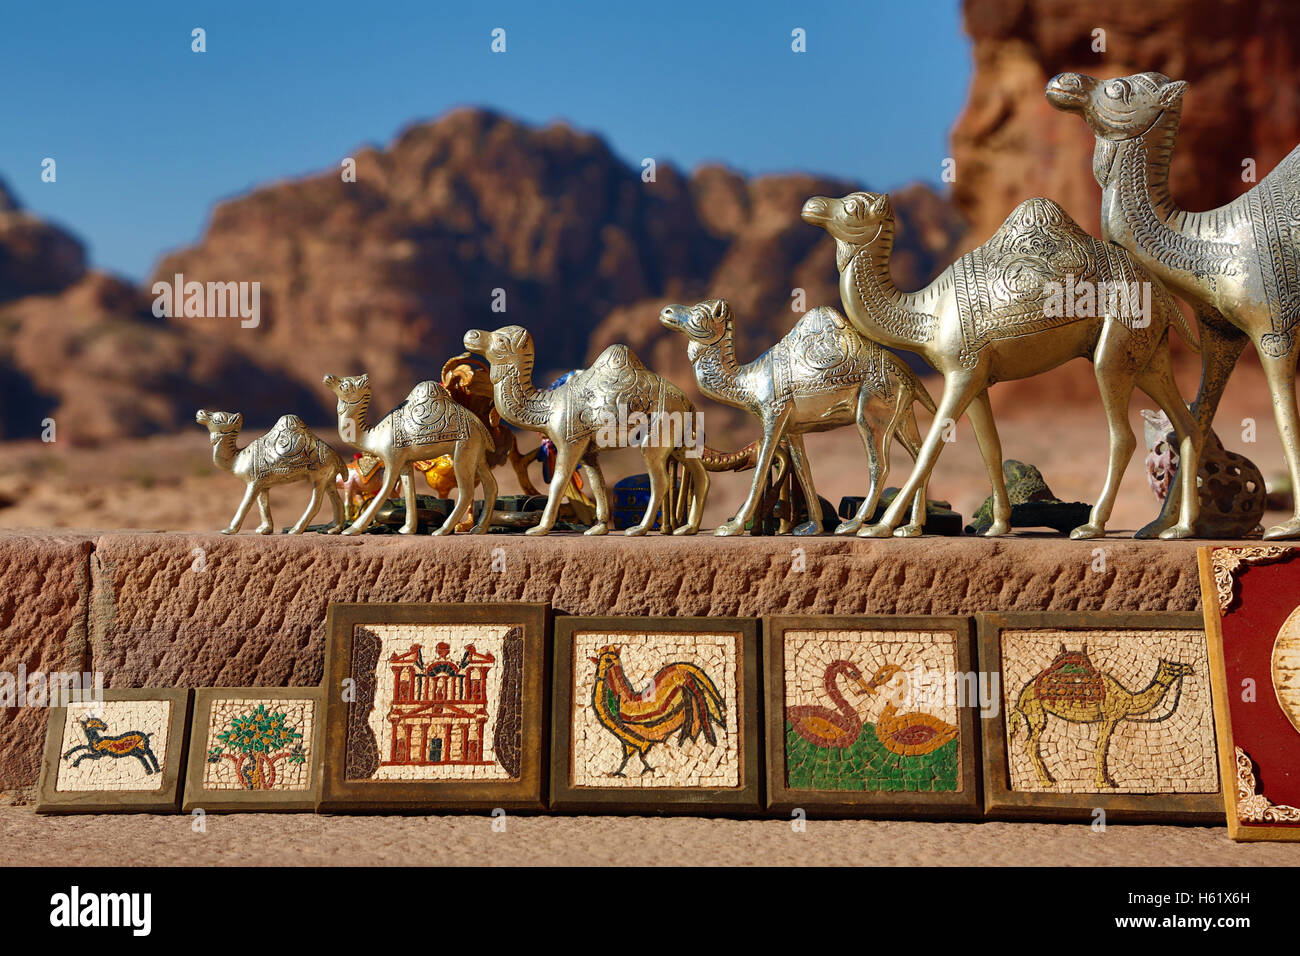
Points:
[[1006, 311], [426, 425], [289, 452], [1238, 265], [821, 375], [1084, 695], [581, 417]]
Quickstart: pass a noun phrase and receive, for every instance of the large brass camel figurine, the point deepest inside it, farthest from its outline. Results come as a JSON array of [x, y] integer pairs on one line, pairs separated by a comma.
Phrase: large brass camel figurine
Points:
[[821, 375], [1238, 265], [576, 416], [996, 314], [1108, 703]]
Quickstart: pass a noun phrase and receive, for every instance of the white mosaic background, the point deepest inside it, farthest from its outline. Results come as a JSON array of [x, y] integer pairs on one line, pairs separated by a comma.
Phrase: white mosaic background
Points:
[[398, 638], [596, 753], [1176, 755], [116, 774], [299, 713]]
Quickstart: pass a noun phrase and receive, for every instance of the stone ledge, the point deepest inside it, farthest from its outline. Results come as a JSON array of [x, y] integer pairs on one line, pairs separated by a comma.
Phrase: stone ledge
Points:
[[174, 609]]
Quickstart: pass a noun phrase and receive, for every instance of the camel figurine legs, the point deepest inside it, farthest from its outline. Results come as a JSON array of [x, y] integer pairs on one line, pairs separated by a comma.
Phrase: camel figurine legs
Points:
[[567, 457], [773, 428], [980, 413], [1158, 382], [599, 493], [368, 515], [1280, 373], [463, 466], [264, 509], [699, 485], [958, 391], [250, 494], [803, 471], [656, 461], [489, 483], [910, 436]]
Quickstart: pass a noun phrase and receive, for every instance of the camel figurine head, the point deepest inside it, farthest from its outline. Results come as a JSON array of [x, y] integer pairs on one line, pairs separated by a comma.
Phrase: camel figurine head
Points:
[[350, 389], [704, 324], [1117, 109], [856, 219], [508, 345], [219, 424]]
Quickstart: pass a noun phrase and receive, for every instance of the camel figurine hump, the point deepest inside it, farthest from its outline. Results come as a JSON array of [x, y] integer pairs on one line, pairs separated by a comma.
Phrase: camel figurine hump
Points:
[[822, 374], [427, 424], [289, 452], [596, 408], [1039, 292], [1238, 265]]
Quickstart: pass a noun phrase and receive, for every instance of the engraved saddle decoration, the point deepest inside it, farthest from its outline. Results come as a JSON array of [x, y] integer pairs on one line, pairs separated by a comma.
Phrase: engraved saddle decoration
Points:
[[826, 354], [1000, 285], [617, 381], [288, 448], [429, 415]]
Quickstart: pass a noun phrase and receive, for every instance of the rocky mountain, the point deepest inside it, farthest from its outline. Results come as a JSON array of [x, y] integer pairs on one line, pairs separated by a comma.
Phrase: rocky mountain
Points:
[[1242, 58], [35, 256], [386, 273]]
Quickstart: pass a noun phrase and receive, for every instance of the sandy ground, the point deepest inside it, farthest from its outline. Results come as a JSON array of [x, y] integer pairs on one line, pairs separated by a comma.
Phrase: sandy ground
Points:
[[1055, 422], [305, 839]]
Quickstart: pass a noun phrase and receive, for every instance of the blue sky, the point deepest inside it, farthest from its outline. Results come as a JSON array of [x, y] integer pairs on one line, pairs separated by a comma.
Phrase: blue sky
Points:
[[147, 134]]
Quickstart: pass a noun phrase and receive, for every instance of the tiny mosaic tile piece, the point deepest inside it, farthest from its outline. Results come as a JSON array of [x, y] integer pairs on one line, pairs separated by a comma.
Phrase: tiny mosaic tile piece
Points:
[[871, 710], [114, 746], [259, 744], [1108, 710], [655, 710], [436, 702]]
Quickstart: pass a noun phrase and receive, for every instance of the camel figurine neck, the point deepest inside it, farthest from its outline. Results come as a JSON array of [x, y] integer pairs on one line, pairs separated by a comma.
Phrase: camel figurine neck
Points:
[[517, 400], [358, 413], [1139, 212], [874, 303], [717, 369], [224, 451]]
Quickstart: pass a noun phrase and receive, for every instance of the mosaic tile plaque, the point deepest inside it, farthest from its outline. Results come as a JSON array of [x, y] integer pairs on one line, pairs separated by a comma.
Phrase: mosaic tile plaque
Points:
[[434, 706], [872, 715], [254, 748], [1251, 597], [1100, 712], [655, 714], [117, 755]]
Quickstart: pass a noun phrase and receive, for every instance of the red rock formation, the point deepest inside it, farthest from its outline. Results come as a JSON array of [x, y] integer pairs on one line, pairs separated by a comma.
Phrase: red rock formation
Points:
[[1242, 58], [35, 256]]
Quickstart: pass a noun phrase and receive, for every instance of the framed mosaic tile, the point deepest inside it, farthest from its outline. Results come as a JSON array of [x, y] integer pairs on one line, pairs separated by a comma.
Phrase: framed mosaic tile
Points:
[[1100, 711], [121, 754], [435, 707], [1251, 597], [872, 715], [655, 715], [254, 748]]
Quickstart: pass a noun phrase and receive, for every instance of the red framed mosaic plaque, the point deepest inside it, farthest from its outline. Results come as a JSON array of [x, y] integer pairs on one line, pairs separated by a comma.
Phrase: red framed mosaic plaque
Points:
[[872, 716], [1251, 597], [1100, 713], [435, 707], [121, 754], [254, 748], [656, 715]]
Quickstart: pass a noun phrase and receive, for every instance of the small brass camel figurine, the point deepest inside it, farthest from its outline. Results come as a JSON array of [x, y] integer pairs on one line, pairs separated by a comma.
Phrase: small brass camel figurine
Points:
[[426, 425], [580, 416], [1094, 697], [1238, 265], [289, 452], [823, 374], [1001, 312]]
